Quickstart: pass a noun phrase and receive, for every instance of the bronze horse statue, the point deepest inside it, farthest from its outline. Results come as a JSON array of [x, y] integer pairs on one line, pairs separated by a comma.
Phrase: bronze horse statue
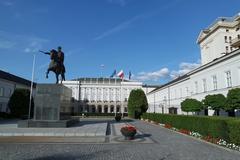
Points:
[[55, 66]]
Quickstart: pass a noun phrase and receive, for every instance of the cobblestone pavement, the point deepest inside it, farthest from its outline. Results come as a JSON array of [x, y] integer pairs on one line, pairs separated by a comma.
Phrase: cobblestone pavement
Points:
[[167, 145]]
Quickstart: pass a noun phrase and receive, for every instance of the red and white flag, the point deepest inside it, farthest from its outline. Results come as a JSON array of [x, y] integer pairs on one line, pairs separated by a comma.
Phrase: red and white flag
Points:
[[121, 74]]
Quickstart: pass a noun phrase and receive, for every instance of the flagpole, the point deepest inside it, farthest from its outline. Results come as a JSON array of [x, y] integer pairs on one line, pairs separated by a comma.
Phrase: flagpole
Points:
[[121, 95], [115, 98]]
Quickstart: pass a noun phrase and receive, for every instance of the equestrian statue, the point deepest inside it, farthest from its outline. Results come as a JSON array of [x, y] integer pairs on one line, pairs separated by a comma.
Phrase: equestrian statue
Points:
[[56, 64]]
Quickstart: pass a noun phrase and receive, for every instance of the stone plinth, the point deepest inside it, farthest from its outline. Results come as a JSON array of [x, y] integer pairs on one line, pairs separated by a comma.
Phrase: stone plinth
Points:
[[52, 102]]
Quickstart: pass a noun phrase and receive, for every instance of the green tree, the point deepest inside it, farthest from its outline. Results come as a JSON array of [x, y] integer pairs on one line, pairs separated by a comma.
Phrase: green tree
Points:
[[191, 105], [233, 101], [19, 103], [215, 102], [137, 103]]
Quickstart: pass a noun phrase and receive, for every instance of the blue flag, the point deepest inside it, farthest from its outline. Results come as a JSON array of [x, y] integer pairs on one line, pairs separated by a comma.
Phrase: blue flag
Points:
[[113, 74]]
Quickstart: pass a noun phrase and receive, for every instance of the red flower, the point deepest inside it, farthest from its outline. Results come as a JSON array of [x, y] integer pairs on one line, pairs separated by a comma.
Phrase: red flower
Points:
[[128, 131], [184, 131], [168, 126]]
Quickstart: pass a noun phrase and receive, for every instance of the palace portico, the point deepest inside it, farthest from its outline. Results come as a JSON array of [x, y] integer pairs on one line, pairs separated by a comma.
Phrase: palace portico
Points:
[[103, 95]]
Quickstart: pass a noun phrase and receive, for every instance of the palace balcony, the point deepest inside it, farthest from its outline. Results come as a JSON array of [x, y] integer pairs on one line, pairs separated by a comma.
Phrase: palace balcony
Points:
[[236, 42]]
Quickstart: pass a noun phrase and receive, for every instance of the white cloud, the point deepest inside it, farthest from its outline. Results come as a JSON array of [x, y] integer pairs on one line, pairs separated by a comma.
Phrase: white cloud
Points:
[[152, 76], [184, 68], [117, 28], [26, 43], [164, 73], [127, 23]]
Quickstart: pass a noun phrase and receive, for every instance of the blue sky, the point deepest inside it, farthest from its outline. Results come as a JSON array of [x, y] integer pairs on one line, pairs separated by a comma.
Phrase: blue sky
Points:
[[155, 39]]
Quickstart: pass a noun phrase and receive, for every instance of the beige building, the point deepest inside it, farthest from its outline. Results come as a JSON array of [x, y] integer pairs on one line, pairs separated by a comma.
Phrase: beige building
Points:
[[220, 38], [219, 72], [103, 95]]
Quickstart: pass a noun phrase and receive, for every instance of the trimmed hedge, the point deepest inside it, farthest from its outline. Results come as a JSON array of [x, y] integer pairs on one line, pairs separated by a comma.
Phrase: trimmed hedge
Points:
[[218, 127], [234, 131]]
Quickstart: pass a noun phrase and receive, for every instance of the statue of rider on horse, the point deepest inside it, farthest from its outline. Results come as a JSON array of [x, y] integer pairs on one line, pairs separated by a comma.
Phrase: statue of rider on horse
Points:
[[56, 64]]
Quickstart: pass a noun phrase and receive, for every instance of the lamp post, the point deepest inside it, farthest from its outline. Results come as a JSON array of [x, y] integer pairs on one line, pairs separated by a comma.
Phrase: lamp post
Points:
[[154, 103], [31, 89]]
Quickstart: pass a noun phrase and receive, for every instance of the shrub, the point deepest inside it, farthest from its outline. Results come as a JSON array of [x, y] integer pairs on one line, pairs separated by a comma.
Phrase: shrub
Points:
[[233, 101], [215, 102], [118, 117], [191, 105], [19, 103], [5, 115], [137, 103]]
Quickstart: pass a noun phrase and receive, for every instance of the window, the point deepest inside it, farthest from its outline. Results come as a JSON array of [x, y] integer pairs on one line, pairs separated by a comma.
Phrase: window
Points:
[[204, 85], [226, 49], [237, 28], [228, 79], [1, 91], [196, 87], [230, 39], [231, 49], [225, 38], [1, 107], [112, 109], [118, 109], [214, 78], [227, 30], [125, 109]]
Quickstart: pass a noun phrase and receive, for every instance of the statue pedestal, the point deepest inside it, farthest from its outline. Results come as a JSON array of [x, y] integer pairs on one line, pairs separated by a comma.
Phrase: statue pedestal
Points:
[[52, 107], [52, 102]]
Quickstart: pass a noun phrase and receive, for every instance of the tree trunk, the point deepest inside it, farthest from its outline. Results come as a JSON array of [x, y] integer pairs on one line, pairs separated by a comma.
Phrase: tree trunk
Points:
[[231, 113], [206, 112]]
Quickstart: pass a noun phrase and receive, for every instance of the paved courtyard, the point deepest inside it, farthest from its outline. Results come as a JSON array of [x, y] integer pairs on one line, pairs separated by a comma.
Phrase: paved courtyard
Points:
[[157, 144]]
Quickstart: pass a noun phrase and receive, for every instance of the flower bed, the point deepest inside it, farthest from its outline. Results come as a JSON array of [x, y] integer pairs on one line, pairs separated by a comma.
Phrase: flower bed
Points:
[[167, 126], [128, 131], [207, 138], [184, 131], [224, 128]]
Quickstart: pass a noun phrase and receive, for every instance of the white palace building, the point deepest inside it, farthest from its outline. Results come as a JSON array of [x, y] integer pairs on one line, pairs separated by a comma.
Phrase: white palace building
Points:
[[218, 73], [103, 95]]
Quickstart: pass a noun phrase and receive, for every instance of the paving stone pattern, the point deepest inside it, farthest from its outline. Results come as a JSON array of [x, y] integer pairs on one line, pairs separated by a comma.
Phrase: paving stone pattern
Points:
[[167, 145]]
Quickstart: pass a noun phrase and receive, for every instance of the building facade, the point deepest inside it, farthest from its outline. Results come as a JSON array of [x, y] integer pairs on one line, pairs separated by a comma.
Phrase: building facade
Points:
[[103, 95], [8, 83], [220, 38], [219, 72]]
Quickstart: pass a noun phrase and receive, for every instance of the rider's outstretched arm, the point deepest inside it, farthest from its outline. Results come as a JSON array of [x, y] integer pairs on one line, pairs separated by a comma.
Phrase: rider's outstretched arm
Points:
[[45, 52]]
